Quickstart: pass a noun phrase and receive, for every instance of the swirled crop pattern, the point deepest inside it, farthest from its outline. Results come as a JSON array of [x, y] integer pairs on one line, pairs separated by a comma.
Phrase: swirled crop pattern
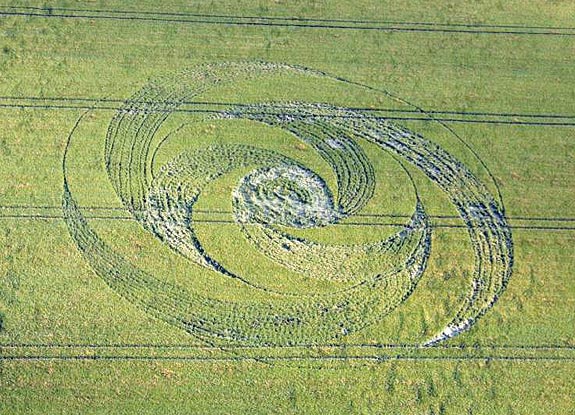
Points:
[[277, 194]]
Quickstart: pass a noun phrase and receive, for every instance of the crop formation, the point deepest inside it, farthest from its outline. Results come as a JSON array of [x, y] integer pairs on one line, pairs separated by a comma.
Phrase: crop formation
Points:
[[364, 282]]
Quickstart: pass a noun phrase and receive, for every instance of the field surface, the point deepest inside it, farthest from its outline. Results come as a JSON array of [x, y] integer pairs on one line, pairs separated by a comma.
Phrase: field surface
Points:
[[292, 207]]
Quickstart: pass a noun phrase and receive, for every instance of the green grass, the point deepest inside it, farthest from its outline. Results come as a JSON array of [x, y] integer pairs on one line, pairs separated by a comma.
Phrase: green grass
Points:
[[50, 296]]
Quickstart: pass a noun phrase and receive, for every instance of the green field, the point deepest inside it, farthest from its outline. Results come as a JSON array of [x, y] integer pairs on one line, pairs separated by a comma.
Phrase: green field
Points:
[[290, 207]]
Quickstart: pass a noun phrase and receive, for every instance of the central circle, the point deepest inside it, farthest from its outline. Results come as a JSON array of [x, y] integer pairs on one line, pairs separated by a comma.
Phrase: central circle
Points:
[[287, 195]]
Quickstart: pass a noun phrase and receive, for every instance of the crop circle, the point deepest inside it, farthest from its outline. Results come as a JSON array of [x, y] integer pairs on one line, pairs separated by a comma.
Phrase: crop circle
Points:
[[277, 196]]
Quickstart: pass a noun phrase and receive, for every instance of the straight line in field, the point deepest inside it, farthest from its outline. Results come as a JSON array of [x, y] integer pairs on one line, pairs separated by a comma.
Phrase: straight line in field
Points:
[[382, 118], [247, 104], [97, 104], [4, 208], [404, 346], [252, 21], [289, 18], [224, 221], [263, 359], [303, 352]]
